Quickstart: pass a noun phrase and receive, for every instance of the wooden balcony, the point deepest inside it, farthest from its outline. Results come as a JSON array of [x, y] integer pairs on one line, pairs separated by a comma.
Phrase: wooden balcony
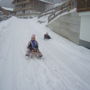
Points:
[[22, 2], [83, 5], [20, 9]]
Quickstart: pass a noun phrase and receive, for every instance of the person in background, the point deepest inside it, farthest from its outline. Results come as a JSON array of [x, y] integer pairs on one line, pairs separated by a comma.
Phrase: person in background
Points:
[[47, 36]]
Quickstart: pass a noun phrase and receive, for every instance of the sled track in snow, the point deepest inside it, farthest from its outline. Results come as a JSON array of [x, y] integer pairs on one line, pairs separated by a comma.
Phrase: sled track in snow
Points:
[[65, 66]]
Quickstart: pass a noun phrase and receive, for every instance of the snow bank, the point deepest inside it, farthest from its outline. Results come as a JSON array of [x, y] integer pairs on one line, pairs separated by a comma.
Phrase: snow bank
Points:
[[65, 13]]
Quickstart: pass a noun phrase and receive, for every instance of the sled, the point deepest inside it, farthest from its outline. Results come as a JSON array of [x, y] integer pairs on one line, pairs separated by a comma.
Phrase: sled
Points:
[[34, 54]]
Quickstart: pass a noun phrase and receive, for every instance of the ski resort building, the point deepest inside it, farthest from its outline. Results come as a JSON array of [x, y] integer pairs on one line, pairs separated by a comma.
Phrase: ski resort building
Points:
[[5, 13], [30, 7]]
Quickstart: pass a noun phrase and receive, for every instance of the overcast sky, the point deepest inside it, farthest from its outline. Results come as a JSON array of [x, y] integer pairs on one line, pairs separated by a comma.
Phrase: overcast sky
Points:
[[7, 3]]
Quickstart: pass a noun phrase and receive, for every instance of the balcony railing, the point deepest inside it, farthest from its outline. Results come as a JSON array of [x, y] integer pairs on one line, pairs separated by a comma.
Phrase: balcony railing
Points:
[[21, 2], [54, 12], [26, 8]]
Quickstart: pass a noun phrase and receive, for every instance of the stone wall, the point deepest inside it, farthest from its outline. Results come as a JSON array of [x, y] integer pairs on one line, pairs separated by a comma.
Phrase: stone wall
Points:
[[68, 26]]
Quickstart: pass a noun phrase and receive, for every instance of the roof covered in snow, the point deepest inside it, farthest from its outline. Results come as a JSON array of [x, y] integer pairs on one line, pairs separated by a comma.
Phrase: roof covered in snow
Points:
[[59, 4], [46, 1], [9, 9]]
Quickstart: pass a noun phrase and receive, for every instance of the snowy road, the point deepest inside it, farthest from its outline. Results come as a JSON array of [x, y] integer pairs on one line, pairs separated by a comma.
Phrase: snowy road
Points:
[[66, 66]]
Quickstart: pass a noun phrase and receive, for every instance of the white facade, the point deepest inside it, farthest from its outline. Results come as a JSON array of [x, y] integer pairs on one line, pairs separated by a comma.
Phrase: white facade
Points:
[[85, 26]]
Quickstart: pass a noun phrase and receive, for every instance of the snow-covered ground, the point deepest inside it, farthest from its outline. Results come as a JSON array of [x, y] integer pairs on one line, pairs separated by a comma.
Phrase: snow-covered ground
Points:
[[65, 65]]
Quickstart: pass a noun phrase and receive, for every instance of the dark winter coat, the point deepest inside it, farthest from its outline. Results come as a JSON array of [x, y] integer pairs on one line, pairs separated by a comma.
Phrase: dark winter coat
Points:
[[33, 45], [46, 36]]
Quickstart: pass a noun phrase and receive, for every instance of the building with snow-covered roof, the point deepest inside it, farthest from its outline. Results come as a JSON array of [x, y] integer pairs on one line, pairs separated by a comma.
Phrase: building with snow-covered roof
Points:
[[30, 7], [6, 11]]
